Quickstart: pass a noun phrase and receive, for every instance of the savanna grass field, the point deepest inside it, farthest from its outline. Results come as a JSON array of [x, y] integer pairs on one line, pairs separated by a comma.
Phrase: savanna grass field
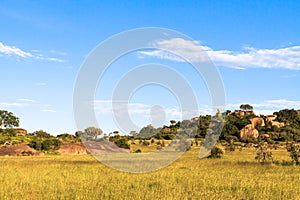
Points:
[[234, 176]]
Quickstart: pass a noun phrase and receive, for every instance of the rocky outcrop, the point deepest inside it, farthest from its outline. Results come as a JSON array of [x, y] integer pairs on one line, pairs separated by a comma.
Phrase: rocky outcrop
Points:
[[248, 131], [278, 124], [242, 113], [19, 150], [72, 149], [257, 122], [271, 119], [265, 136]]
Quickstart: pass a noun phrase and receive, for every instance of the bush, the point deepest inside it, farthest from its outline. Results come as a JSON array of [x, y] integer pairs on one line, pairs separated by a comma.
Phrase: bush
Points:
[[216, 152], [46, 144], [138, 151], [41, 134], [263, 154], [9, 132], [4, 138], [294, 151], [231, 146], [122, 143], [146, 143], [56, 143], [67, 137], [36, 144]]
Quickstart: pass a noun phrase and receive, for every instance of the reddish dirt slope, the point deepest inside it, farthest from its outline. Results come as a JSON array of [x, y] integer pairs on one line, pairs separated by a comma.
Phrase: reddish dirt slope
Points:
[[19, 150], [90, 147], [72, 149], [103, 147]]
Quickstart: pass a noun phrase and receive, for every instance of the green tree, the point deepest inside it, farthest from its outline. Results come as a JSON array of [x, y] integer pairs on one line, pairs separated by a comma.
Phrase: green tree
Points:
[[46, 144], [41, 134], [55, 143], [203, 125], [8, 120], [263, 154], [173, 122], [92, 132], [147, 131], [229, 132], [294, 151], [288, 116], [36, 144], [79, 133], [246, 107], [66, 137]]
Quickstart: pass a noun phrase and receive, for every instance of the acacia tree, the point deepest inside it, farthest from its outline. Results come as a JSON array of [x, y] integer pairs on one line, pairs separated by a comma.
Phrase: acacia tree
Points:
[[92, 132], [8, 120], [246, 107], [173, 122]]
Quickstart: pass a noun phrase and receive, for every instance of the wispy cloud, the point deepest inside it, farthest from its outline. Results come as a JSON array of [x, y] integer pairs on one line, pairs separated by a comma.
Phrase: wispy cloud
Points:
[[49, 111], [22, 102], [106, 107], [248, 57], [7, 50], [12, 104], [289, 76], [14, 51], [269, 106], [27, 100], [40, 84]]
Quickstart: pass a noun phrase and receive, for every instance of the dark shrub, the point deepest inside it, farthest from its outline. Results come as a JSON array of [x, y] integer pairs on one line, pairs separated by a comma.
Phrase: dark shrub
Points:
[[216, 152], [122, 143], [138, 151]]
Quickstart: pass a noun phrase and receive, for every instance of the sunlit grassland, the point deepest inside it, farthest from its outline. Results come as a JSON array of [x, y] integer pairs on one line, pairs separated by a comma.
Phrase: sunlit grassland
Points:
[[235, 176]]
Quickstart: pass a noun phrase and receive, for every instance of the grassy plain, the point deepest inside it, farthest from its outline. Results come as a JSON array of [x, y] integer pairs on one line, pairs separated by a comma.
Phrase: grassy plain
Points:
[[235, 176]]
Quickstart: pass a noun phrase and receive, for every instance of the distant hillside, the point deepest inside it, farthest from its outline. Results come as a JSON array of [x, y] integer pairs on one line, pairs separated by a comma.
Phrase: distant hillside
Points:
[[239, 126]]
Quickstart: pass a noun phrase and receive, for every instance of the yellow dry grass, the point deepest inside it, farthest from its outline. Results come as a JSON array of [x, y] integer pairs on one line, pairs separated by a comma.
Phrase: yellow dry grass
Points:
[[236, 176]]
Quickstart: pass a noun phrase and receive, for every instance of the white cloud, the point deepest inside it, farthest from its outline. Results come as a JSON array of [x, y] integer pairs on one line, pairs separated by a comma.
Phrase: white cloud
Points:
[[13, 51], [40, 84], [22, 102], [41, 57], [269, 106], [105, 107], [13, 104], [34, 54], [284, 58], [289, 76], [49, 111], [27, 100]]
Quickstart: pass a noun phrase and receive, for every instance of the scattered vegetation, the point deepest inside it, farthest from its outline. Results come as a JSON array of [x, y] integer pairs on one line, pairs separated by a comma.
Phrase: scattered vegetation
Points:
[[294, 151], [263, 154]]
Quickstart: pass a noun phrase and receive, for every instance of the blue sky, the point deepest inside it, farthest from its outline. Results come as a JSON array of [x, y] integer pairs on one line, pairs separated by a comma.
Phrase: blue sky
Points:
[[255, 46]]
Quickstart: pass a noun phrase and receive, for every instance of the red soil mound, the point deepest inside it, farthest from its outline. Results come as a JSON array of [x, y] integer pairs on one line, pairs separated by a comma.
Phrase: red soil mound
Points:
[[19, 150]]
